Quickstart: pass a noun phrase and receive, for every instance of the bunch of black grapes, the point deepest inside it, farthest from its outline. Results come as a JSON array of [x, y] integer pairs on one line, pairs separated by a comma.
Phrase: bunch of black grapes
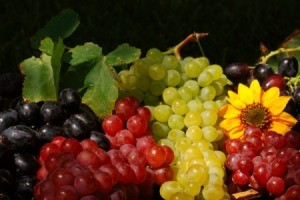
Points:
[[26, 126]]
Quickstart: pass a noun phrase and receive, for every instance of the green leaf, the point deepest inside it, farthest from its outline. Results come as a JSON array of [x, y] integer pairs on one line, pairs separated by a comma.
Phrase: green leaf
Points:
[[60, 26], [39, 83], [47, 46], [89, 52], [102, 90], [56, 61], [123, 54]]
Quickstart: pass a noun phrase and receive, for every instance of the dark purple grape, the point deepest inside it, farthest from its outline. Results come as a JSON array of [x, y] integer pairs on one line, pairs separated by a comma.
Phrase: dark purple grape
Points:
[[52, 113], [237, 72], [26, 164], [275, 80], [3, 150], [87, 119], [47, 132], [8, 118], [18, 137], [262, 71], [296, 95], [29, 112], [101, 140], [10, 85], [4, 195], [70, 100], [75, 128], [24, 187], [6, 179], [288, 66]]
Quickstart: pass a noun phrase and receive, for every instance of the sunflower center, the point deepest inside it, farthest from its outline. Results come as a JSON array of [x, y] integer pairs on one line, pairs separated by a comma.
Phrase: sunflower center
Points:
[[256, 114]]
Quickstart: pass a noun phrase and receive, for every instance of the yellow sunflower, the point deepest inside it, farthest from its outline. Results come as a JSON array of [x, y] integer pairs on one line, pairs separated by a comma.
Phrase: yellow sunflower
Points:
[[254, 106]]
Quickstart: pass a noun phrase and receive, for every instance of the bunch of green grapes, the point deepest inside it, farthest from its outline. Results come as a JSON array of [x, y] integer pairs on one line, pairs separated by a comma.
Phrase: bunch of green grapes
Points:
[[184, 98]]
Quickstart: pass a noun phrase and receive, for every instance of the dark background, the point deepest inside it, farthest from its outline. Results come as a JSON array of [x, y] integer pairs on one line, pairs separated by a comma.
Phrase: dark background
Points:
[[235, 27]]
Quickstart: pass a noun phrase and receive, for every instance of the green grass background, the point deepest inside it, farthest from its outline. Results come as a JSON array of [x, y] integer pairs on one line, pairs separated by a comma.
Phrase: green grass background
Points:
[[235, 27]]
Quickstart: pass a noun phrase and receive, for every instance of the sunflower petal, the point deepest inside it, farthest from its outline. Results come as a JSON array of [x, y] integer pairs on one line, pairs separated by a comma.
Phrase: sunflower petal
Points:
[[222, 111], [245, 94], [276, 107], [280, 128], [234, 100], [236, 133], [270, 96], [231, 112], [256, 90], [231, 123], [285, 118]]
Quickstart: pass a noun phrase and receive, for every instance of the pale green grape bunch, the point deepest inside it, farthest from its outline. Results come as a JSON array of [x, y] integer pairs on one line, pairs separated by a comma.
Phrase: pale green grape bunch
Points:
[[185, 97]]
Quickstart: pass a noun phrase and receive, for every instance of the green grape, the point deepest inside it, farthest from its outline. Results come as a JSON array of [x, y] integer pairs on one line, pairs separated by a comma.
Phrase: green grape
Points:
[[151, 108], [150, 99], [171, 62], [192, 68], [157, 71], [182, 143], [194, 133], [137, 93], [216, 170], [213, 192], [179, 106], [220, 103], [162, 113], [183, 78], [203, 61], [209, 118], [221, 155], [174, 134], [172, 78], [192, 152], [203, 145], [207, 93], [160, 129], [143, 83], [166, 142], [223, 80], [170, 94], [192, 118], [181, 195], [154, 55], [193, 86], [197, 173], [128, 79], [218, 87], [168, 188], [215, 70], [141, 67], [205, 78], [195, 105], [211, 105], [182, 178], [214, 179], [192, 188], [185, 93], [157, 87], [176, 121], [210, 133]]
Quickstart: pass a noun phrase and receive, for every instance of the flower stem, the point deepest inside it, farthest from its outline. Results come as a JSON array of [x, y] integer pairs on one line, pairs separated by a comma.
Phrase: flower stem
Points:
[[194, 37], [265, 59]]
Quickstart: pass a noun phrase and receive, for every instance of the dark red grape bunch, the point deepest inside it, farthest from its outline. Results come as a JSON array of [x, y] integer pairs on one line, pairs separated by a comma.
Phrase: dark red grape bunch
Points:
[[262, 71], [288, 67], [237, 72]]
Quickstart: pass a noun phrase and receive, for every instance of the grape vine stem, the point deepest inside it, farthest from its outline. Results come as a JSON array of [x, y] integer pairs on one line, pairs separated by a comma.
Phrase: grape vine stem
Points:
[[264, 59], [194, 37]]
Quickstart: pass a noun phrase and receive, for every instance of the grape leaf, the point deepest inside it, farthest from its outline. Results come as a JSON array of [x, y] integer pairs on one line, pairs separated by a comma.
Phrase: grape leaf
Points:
[[89, 52], [38, 83], [56, 61], [123, 54], [102, 90], [47, 46], [60, 26]]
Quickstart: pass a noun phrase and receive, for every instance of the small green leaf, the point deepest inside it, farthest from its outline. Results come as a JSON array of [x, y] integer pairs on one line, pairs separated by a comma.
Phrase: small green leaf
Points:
[[60, 26], [89, 52], [102, 90], [123, 54], [38, 84], [47, 46], [56, 61]]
